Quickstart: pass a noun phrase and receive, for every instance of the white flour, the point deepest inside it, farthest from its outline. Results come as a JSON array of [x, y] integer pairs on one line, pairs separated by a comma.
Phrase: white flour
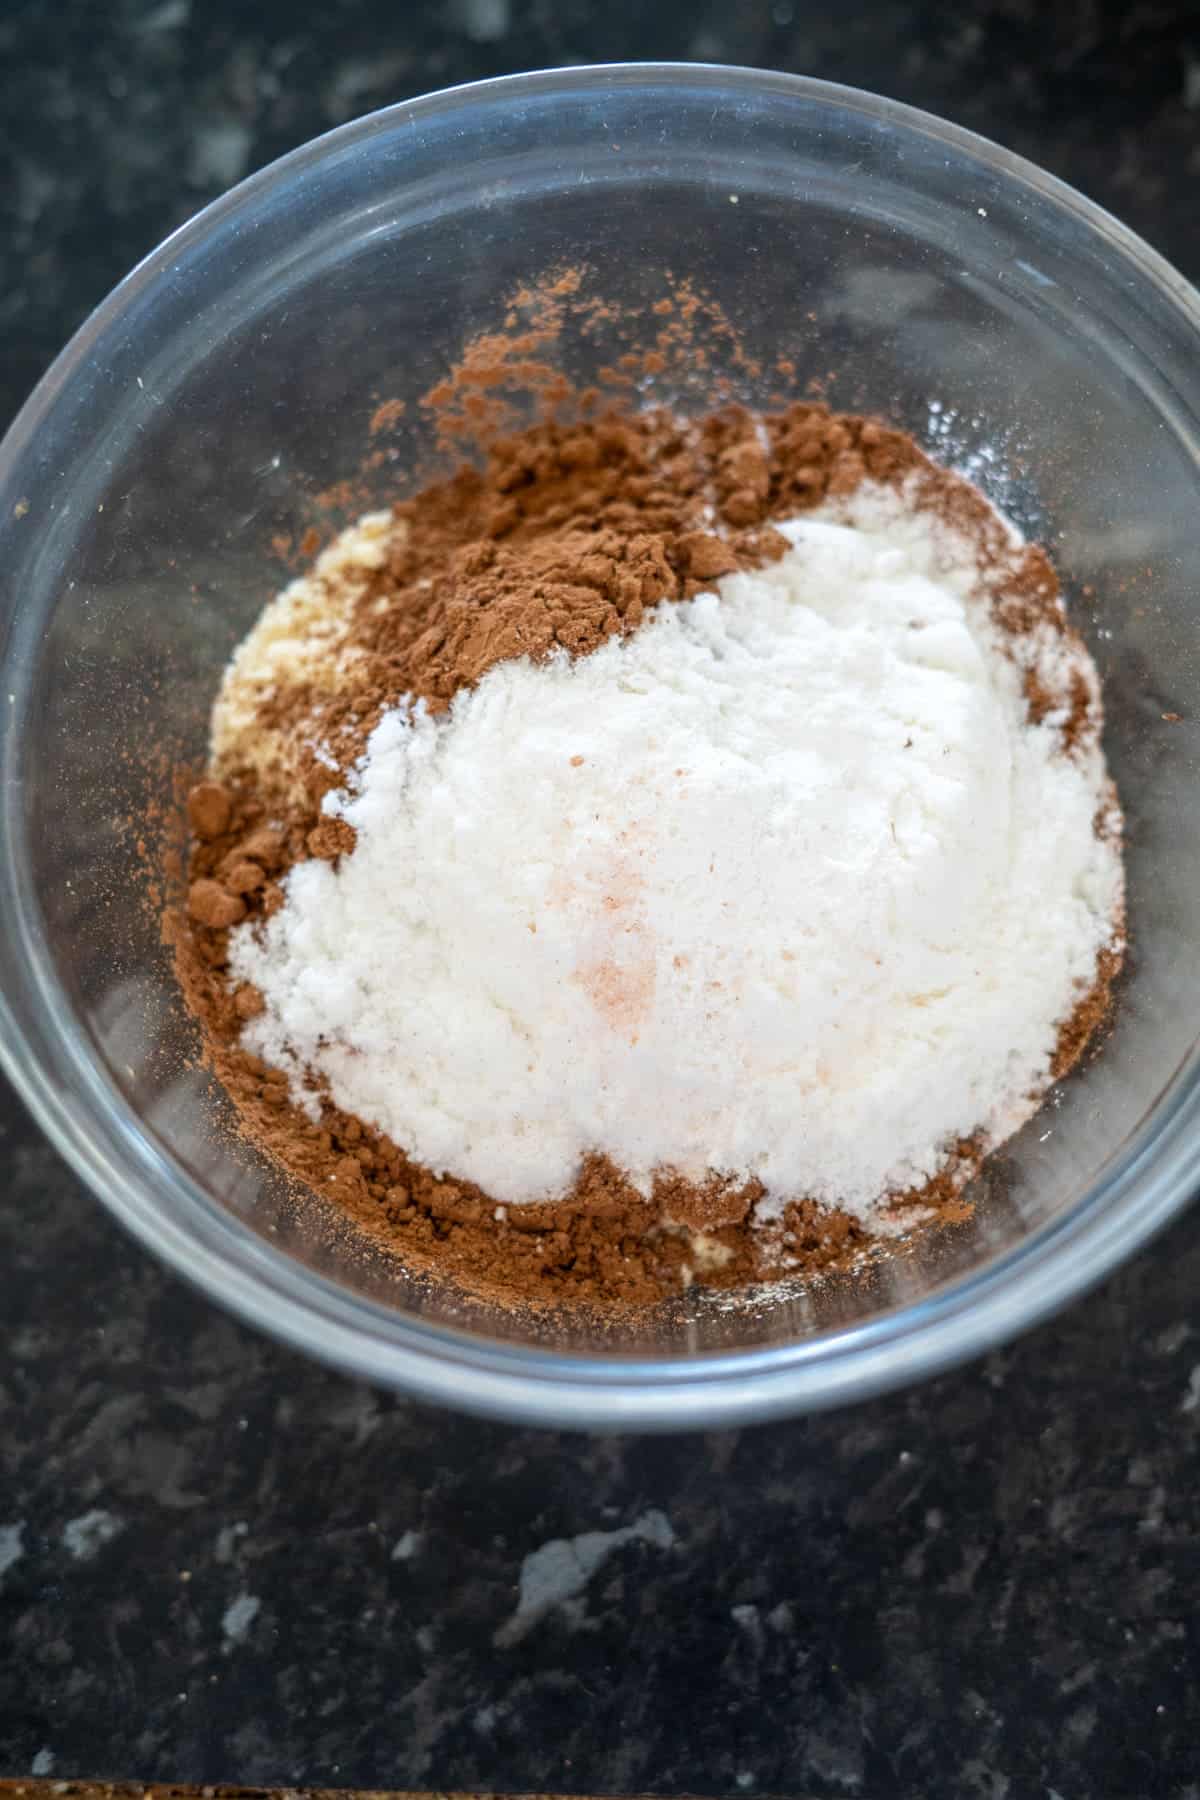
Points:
[[785, 884]]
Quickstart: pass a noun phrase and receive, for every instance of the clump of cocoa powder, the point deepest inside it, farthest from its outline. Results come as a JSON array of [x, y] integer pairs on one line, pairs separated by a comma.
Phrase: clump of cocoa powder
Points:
[[563, 539]]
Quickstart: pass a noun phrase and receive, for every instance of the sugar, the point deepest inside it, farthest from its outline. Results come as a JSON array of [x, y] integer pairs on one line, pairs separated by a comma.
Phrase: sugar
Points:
[[299, 637]]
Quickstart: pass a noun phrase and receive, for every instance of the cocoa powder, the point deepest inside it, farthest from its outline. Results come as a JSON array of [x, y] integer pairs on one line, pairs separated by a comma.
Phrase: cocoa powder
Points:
[[563, 538]]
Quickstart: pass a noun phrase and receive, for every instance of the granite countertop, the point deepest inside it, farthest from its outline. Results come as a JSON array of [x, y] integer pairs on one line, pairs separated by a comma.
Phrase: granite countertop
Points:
[[219, 1562]]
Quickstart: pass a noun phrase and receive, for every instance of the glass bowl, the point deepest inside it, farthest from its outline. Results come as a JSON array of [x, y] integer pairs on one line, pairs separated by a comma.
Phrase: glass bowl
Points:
[[903, 266]]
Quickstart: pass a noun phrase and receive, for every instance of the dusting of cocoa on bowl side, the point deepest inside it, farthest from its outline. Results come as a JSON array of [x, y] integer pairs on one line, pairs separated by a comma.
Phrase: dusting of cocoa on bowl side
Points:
[[561, 540]]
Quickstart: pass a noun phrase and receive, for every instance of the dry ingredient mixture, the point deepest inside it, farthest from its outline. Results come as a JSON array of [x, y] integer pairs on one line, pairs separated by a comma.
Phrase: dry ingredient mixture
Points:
[[676, 851]]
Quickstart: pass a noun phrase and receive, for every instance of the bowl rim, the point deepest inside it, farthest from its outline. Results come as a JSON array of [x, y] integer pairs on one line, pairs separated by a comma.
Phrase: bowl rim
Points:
[[275, 1292]]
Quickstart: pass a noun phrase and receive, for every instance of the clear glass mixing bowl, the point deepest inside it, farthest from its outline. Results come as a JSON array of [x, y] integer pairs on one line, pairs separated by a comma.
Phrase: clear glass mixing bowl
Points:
[[908, 266]]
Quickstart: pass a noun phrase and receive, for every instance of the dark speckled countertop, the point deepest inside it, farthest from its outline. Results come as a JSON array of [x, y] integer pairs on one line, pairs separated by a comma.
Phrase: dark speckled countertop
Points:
[[218, 1562]]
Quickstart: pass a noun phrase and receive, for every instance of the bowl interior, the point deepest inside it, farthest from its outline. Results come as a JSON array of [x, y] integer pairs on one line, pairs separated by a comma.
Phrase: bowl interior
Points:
[[893, 265]]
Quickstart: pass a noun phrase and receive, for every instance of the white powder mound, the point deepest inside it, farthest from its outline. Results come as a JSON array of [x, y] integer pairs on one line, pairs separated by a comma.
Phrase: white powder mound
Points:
[[783, 885]]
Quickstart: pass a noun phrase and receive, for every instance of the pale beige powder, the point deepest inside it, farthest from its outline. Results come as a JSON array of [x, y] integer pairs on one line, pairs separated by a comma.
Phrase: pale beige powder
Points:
[[298, 642]]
